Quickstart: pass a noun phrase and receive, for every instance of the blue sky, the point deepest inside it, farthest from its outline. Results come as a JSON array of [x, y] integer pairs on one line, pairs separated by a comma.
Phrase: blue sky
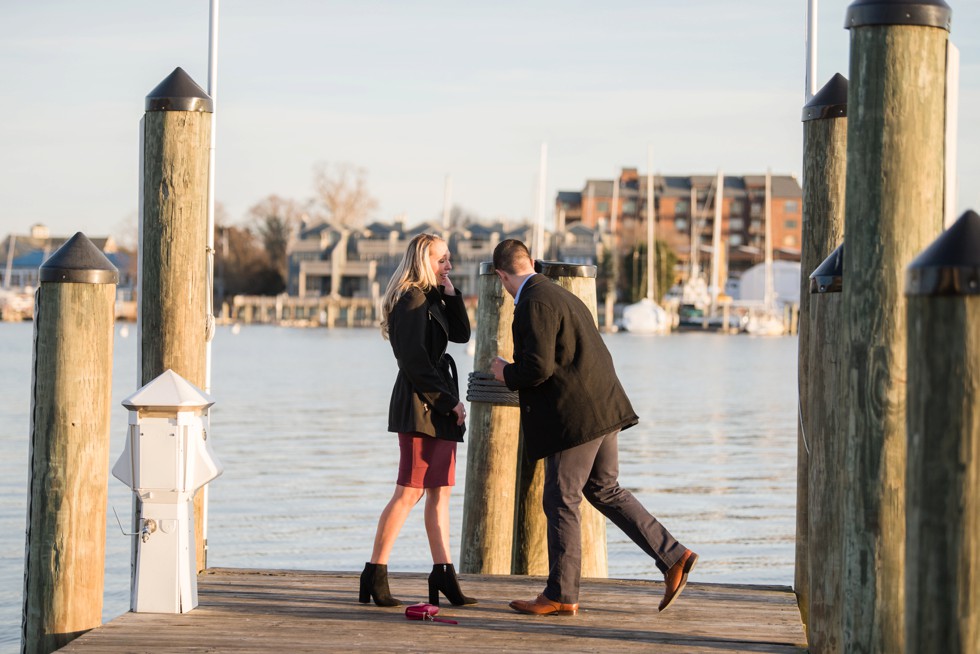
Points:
[[412, 91]]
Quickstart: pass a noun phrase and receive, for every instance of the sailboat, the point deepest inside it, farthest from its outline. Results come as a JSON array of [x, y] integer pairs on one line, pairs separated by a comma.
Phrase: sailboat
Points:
[[646, 316], [766, 320]]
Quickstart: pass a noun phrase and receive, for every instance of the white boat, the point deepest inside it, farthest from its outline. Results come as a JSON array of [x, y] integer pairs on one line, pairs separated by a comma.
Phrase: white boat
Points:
[[646, 317]]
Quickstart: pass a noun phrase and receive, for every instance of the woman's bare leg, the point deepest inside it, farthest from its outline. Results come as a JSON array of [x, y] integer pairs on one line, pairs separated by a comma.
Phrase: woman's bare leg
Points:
[[391, 521], [437, 523]]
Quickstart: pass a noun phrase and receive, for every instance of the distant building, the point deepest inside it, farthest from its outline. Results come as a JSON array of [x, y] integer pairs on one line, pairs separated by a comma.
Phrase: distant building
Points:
[[681, 199], [21, 256], [327, 260]]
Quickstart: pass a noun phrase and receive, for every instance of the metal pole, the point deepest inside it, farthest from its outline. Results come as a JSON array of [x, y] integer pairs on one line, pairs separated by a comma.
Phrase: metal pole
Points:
[[213, 92], [811, 49]]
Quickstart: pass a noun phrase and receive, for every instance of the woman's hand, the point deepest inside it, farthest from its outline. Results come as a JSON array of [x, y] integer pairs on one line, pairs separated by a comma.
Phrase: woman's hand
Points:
[[447, 284], [460, 412]]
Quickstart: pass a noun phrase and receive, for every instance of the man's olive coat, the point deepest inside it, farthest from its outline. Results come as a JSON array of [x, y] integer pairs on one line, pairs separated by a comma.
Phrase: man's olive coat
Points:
[[564, 375], [426, 389]]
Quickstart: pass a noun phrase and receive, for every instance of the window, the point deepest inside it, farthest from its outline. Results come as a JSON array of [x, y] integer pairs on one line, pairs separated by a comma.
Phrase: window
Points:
[[790, 241], [680, 224], [735, 239], [682, 207], [790, 224], [791, 206], [737, 206], [736, 224], [756, 209], [602, 207], [629, 207]]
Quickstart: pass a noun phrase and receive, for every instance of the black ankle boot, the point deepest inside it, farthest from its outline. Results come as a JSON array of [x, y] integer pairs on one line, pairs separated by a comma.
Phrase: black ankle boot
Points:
[[374, 584], [443, 578]]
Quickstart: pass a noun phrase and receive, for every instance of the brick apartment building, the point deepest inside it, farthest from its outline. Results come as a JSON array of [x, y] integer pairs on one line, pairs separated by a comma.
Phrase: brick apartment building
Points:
[[678, 199]]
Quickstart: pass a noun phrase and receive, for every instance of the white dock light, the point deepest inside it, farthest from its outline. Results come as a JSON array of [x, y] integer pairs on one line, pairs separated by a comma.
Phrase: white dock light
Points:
[[166, 458]]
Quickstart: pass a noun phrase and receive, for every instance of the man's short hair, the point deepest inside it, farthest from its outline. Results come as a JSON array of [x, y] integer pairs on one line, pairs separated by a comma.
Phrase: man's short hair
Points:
[[508, 253]]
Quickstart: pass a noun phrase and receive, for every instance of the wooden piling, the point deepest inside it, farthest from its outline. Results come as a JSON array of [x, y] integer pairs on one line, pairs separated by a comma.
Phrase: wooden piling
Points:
[[173, 247], [819, 542], [71, 391], [894, 207], [943, 544], [531, 527], [492, 448]]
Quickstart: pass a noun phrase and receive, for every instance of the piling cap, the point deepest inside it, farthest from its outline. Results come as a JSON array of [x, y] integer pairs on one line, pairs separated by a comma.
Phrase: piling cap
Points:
[[178, 92], [555, 269], [951, 265], [168, 391], [829, 275], [829, 102], [486, 268], [78, 261], [926, 13]]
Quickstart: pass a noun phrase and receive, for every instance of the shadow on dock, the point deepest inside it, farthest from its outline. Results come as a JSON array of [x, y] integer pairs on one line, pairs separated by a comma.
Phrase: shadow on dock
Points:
[[302, 611]]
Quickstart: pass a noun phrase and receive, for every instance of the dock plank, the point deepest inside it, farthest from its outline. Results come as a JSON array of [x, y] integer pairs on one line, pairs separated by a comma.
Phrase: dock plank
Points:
[[303, 611]]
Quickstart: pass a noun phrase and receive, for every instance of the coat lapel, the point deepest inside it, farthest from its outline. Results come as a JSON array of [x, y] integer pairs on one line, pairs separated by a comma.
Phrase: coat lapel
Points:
[[437, 309]]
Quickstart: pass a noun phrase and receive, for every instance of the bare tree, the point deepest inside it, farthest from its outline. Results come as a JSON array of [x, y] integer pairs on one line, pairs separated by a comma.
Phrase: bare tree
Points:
[[342, 190], [274, 220]]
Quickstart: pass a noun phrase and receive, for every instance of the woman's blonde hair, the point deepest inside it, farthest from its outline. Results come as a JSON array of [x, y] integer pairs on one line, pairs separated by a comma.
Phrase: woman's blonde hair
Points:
[[414, 270]]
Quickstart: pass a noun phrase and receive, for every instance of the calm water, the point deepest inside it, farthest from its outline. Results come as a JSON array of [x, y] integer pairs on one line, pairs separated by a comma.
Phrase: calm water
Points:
[[299, 424]]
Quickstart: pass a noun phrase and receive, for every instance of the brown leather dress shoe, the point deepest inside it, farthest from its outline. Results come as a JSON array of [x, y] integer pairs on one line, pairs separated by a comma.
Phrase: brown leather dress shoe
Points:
[[676, 578], [541, 605]]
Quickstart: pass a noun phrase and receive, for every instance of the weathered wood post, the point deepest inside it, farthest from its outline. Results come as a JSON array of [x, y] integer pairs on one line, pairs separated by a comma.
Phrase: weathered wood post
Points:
[[818, 539], [173, 241], [530, 532], [943, 545], [491, 454], [68, 474], [821, 426], [894, 207]]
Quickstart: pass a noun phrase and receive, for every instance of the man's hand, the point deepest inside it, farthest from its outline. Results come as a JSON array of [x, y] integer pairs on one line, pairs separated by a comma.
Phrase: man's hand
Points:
[[497, 368]]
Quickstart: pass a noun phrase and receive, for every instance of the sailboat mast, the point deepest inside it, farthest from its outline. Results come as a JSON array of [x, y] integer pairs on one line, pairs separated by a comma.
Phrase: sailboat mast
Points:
[[539, 227], [716, 241], [651, 229], [447, 200], [695, 236], [768, 297]]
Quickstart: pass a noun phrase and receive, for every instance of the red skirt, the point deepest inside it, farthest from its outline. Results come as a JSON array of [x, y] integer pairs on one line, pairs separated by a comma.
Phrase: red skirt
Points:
[[426, 462]]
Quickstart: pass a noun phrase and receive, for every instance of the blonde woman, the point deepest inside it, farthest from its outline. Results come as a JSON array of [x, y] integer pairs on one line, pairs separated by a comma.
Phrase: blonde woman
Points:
[[421, 311]]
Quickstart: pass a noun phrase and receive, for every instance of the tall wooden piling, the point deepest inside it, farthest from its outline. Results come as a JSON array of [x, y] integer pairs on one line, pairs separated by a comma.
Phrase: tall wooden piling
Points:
[[530, 532], [818, 509], [491, 454], [69, 447], [894, 199], [173, 241], [943, 544]]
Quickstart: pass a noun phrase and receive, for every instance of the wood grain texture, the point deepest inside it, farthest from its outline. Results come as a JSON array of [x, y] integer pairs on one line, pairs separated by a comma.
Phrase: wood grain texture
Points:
[[173, 309], [819, 541], [894, 209], [69, 464], [267, 610], [943, 577], [491, 454]]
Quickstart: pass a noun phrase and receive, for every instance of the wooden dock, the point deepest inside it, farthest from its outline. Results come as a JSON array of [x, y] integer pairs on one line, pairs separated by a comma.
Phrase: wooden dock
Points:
[[300, 611]]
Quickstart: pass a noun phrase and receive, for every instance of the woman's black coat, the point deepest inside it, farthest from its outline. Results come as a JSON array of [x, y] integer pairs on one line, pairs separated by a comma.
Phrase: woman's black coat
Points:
[[426, 389]]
